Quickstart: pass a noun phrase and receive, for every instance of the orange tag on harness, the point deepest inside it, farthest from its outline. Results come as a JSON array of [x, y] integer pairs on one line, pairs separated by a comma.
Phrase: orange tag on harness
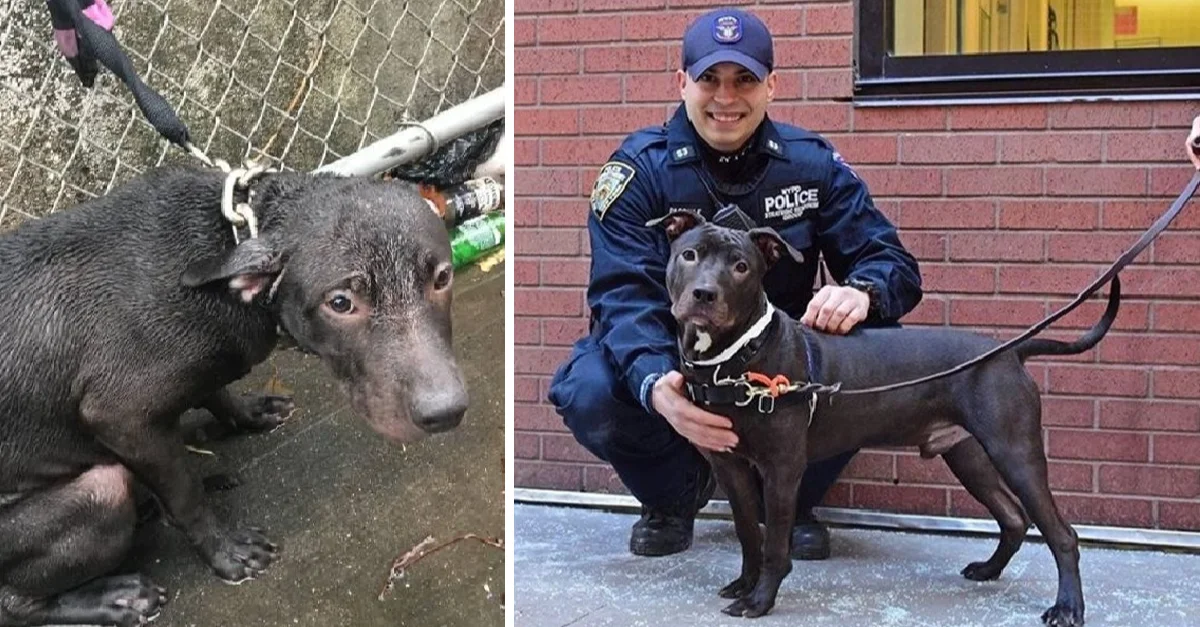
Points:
[[774, 386]]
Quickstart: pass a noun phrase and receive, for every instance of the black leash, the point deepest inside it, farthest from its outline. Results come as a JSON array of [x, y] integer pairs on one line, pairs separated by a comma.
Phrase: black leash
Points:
[[1108, 275], [82, 31]]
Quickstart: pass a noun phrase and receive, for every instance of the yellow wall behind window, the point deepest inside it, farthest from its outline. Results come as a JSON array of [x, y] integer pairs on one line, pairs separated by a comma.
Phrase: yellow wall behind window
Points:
[[1166, 23], [931, 26], [909, 19], [1093, 20]]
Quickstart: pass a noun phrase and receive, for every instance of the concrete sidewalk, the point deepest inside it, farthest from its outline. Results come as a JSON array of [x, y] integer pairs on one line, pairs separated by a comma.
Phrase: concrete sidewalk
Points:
[[573, 567], [343, 504]]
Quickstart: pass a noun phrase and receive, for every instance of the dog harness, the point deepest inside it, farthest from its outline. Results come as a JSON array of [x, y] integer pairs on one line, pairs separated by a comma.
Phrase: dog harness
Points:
[[706, 385]]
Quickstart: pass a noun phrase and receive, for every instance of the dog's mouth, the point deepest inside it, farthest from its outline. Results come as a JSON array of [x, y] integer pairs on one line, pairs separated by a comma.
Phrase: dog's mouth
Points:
[[393, 425], [705, 316], [700, 333]]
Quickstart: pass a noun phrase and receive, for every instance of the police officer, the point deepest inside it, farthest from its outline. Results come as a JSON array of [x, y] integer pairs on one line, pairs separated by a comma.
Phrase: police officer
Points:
[[619, 392]]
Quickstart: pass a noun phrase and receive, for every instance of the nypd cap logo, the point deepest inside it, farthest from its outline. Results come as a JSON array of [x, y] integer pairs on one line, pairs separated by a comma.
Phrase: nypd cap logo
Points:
[[727, 29], [614, 176]]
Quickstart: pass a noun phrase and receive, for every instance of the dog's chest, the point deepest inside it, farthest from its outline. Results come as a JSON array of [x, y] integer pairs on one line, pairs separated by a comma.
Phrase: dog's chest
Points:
[[763, 437]]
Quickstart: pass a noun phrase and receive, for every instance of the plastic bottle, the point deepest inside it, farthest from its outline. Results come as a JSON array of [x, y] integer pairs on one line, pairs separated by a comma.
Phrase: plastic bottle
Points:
[[476, 237], [465, 201]]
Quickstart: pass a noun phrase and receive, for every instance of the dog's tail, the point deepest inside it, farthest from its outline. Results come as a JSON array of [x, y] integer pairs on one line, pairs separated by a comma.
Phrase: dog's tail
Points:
[[1035, 346]]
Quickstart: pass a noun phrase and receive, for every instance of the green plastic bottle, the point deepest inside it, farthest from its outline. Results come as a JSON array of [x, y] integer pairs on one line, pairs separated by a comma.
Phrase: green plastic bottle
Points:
[[476, 237]]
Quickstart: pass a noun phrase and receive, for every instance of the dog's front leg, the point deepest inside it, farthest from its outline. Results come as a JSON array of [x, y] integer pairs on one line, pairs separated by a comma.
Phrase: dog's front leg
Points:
[[251, 413], [155, 452], [736, 475], [780, 482]]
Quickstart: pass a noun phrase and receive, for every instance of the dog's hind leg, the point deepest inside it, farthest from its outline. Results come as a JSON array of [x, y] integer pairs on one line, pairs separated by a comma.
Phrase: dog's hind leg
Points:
[[1012, 439], [58, 545], [737, 476], [970, 463], [251, 412]]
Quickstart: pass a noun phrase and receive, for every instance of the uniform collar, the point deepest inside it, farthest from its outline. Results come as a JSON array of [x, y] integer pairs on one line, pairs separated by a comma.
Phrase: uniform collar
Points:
[[682, 141]]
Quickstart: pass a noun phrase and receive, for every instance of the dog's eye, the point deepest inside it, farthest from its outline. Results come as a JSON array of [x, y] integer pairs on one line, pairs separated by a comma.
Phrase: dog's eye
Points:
[[442, 279], [741, 267], [340, 304], [688, 255]]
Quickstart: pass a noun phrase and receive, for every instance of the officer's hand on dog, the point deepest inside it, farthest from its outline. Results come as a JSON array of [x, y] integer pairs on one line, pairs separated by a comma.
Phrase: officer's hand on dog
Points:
[[1193, 143], [836, 309], [701, 428]]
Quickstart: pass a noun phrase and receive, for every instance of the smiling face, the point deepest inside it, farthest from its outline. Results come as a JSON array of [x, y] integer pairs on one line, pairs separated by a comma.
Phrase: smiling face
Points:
[[726, 104]]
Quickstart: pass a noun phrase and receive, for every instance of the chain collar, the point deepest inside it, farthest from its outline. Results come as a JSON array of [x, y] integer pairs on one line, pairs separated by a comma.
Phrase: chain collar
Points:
[[239, 179]]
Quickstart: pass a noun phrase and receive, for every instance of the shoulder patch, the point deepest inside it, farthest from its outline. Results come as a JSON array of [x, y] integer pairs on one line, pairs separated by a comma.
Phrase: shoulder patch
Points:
[[837, 158], [614, 176]]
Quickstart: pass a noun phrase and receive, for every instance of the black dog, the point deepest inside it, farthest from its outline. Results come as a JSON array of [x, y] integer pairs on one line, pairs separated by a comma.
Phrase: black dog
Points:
[[132, 308], [742, 357]]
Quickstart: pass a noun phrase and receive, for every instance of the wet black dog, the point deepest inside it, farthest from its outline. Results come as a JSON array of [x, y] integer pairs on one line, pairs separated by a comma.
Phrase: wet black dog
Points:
[[132, 308], [985, 422]]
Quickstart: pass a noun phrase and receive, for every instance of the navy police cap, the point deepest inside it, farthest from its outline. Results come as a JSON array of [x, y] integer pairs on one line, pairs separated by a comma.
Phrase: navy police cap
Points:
[[728, 35]]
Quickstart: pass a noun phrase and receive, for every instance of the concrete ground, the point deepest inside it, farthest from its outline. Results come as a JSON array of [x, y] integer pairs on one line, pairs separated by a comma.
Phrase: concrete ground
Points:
[[343, 504], [573, 567]]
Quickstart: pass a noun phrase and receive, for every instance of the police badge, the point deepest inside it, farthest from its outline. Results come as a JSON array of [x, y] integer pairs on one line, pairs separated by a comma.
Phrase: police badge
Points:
[[727, 29], [614, 176]]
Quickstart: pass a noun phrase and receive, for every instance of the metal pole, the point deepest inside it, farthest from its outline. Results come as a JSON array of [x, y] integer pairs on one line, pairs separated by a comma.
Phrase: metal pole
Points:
[[418, 140]]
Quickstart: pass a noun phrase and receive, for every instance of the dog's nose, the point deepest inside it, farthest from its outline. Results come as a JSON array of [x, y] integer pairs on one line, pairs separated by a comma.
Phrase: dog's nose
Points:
[[442, 421], [704, 294], [440, 412]]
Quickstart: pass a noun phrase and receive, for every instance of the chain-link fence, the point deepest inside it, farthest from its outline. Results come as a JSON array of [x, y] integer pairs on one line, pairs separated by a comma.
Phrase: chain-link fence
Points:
[[301, 81]]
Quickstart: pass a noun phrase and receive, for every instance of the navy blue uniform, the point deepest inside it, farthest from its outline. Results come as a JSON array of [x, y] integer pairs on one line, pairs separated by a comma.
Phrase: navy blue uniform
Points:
[[804, 191]]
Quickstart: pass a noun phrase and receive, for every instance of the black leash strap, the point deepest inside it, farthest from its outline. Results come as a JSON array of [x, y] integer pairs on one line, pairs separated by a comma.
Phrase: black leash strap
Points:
[[96, 43], [1108, 275]]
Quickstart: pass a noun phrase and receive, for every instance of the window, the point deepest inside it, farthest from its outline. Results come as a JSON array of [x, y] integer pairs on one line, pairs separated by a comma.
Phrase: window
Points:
[[932, 50]]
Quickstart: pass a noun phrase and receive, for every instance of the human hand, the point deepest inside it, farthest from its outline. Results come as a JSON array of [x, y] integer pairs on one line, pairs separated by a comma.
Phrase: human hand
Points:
[[703, 429], [63, 14], [836, 309], [1193, 143]]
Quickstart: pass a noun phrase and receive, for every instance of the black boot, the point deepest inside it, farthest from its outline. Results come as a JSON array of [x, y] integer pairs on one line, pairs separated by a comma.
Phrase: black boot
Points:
[[810, 539], [668, 530]]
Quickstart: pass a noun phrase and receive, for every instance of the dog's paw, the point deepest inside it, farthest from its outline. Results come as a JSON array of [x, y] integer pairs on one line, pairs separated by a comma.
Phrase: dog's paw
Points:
[[751, 606], [737, 608], [736, 589], [220, 482], [981, 571], [242, 555], [125, 600], [1063, 616], [265, 412]]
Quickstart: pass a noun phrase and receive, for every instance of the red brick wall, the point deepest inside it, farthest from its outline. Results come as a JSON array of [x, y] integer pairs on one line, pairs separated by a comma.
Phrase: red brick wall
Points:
[[1010, 209]]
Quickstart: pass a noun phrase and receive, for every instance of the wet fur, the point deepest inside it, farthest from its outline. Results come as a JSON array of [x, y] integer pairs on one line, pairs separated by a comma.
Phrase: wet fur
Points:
[[132, 308]]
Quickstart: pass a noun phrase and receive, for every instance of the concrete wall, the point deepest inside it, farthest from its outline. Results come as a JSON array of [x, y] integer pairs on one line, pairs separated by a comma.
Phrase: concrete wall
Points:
[[1010, 209]]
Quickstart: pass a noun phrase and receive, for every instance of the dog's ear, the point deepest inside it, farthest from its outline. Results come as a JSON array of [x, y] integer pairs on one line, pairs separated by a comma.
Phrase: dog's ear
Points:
[[677, 222], [248, 269], [772, 246]]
